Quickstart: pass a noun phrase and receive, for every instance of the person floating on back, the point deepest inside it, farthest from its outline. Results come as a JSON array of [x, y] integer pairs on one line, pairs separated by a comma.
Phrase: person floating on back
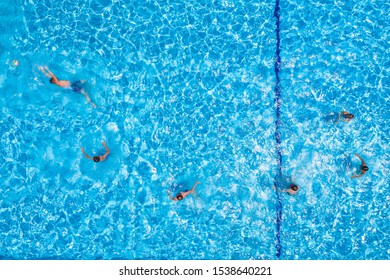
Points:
[[182, 195], [98, 158], [363, 168], [347, 117], [76, 86]]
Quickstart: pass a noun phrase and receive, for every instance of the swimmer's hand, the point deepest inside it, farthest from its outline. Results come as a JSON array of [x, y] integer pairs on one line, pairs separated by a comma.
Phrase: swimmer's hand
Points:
[[170, 196]]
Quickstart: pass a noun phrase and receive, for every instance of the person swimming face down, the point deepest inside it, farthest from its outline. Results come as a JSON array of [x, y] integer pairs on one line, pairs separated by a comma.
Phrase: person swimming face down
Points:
[[294, 187], [52, 81], [364, 168], [349, 116], [96, 158], [179, 196]]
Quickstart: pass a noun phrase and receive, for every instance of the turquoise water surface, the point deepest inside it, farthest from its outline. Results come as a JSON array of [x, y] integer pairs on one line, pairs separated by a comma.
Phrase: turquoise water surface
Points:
[[186, 91]]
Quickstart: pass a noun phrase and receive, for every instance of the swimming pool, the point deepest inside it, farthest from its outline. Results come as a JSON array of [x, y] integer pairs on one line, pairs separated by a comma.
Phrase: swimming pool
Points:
[[186, 91]]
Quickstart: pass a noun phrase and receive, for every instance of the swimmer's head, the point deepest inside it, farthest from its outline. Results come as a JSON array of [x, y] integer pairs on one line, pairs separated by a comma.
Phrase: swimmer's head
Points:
[[15, 63], [52, 80], [179, 196], [349, 116], [294, 187], [96, 158], [364, 168]]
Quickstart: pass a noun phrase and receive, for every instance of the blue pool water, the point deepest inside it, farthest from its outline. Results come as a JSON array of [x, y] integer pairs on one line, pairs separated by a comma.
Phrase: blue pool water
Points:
[[194, 90]]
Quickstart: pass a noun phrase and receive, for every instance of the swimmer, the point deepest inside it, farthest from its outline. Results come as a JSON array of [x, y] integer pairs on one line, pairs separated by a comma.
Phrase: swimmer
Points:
[[363, 168], [76, 86], [182, 195], [292, 189], [98, 158], [347, 117]]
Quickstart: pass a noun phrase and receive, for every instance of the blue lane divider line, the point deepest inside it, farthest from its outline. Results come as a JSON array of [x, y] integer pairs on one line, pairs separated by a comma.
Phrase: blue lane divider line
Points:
[[277, 103]]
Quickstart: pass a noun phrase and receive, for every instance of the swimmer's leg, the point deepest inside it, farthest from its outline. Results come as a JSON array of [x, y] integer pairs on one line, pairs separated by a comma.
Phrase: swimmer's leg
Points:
[[87, 97]]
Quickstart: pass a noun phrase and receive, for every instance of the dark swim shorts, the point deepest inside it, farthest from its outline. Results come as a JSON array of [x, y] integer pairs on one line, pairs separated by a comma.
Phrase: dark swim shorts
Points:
[[77, 86]]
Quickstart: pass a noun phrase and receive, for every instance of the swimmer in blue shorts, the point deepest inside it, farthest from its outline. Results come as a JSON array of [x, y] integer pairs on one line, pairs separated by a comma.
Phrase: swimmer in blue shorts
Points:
[[182, 195], [76, 86]]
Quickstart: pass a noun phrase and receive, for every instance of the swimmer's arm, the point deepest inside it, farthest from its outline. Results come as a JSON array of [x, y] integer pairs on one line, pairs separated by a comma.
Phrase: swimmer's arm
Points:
[[291, 192], [87, 156], [347, 120], [107, 151], [171, 197], [278, 190], [44, 72], [193, 188], [51, 74], [363, 162], [357, 175], [105, 146]]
